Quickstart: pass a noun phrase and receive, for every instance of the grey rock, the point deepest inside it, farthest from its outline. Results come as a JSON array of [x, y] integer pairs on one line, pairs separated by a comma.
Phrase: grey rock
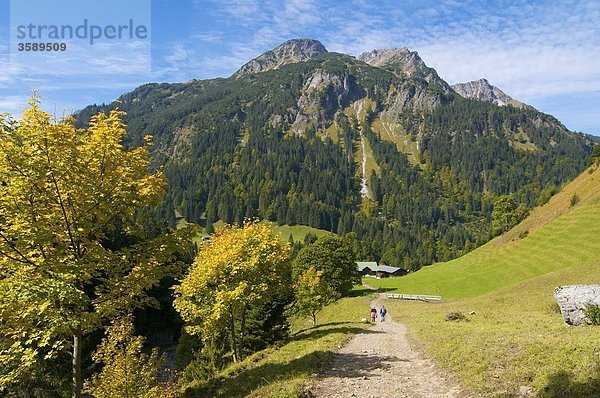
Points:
[[482, 90], [404, 63], [323, 94], [455, 316], [574, 299], [292, 51], [525, 391]]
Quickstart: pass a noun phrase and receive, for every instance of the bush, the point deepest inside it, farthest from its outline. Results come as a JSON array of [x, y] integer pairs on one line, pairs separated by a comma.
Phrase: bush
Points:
[[574, 199], [456, 316], [592, 312]]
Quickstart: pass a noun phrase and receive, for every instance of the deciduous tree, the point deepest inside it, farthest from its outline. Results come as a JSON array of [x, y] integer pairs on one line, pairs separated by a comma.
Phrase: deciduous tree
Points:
[[333, 256], [62, 192], [127, 372], [241, 268], [313, 293]]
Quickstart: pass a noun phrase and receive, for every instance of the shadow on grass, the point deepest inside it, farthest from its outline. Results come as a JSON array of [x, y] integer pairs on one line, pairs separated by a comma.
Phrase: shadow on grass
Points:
[[563, 385], [317, 333], [327, 325], [247, 380], [364, 291], [242, 380]]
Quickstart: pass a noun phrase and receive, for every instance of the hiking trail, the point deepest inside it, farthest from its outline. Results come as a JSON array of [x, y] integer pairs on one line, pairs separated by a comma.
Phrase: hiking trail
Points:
[[380, 363]]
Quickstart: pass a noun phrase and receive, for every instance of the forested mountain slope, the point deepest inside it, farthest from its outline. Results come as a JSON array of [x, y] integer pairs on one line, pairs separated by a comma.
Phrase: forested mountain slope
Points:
[[285, 137]]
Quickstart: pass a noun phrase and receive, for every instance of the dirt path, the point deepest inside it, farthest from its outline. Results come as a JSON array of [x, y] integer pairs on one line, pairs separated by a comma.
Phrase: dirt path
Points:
[[380, 363]]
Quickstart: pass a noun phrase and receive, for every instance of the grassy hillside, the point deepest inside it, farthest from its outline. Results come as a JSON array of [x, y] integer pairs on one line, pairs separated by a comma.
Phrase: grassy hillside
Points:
[[554, 237], [298, 232], [513, 338], [282, 371]]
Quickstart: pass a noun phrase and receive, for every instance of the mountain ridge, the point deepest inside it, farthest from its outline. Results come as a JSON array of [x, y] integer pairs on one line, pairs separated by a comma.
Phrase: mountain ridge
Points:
[[283, 143], [291, 51], [482, 90]]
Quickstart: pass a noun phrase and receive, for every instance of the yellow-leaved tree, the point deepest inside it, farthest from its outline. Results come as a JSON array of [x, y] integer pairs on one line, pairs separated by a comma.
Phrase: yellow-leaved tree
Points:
[[127, 372], [62, 192], [313, 293], [241, 268]]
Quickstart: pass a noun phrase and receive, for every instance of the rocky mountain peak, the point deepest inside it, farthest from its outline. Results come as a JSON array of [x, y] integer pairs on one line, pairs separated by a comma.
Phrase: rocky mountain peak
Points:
[[386, 56], [482, 90], [292, 51], [403, 62]]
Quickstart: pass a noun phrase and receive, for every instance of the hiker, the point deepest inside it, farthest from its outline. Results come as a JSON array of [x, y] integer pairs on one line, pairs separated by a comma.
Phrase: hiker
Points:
[[373, 314], [382, 312]]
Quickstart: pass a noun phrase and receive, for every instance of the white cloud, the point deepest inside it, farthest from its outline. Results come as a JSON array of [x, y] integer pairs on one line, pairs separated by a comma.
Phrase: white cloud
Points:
[[531, 50], [14, 104]]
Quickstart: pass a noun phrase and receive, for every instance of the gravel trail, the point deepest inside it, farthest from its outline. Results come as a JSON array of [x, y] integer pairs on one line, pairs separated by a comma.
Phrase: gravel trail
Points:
[[380, 363]]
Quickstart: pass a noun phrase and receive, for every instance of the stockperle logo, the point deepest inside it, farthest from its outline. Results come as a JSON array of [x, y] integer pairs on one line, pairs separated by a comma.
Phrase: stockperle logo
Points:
[[80, 36]]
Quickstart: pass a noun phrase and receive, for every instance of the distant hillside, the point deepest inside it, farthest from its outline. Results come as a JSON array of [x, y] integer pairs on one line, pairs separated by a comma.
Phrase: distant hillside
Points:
[[378, 145], [555, 236]]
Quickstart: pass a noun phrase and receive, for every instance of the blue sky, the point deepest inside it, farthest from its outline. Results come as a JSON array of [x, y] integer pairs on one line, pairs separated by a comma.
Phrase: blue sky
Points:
[[544, 53]]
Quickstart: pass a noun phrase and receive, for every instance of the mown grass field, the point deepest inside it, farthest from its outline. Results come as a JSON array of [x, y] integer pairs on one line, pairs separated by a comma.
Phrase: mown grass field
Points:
[[558, 237], [283, 371]]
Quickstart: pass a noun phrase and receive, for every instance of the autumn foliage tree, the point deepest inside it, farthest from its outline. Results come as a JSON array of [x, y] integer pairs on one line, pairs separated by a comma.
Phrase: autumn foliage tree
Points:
[[313, 293], [63, 191], [127, 372], [240, 269]]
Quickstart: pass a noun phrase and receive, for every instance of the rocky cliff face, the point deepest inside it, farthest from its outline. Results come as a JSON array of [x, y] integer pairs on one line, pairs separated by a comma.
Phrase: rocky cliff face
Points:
[[295, 50], [482, 90], [404, 63]]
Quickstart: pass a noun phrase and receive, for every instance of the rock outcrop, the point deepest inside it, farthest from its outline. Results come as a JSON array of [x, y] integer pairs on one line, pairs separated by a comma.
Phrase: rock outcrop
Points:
[[573, 301], [404, 63], [323, 94], [482, 90]]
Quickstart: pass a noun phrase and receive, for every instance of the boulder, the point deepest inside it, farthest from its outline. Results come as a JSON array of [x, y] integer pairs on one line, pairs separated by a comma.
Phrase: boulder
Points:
[[455, 316], [574, 299]]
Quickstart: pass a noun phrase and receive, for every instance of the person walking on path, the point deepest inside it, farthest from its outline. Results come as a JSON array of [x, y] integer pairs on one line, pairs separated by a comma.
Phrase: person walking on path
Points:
[[382, 312], [373, 314]]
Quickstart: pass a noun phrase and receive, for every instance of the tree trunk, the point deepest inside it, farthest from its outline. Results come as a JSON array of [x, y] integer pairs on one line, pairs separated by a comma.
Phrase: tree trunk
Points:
[[314, 318], [236, 358], [242, 332], [77, 377]]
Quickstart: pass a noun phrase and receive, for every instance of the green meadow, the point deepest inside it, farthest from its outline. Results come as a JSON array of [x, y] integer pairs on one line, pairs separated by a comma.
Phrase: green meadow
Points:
[[555, 236]]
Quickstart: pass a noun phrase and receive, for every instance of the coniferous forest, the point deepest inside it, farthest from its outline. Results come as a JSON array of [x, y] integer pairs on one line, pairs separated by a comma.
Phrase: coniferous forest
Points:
[[232, 150]]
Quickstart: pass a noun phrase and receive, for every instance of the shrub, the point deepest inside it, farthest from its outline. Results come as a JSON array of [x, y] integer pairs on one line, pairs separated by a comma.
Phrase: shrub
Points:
[[574, 199], [592, 312], [554, 308]]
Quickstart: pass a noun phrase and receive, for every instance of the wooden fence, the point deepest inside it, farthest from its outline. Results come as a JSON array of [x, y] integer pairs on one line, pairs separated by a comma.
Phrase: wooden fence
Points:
[[421, 297]]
